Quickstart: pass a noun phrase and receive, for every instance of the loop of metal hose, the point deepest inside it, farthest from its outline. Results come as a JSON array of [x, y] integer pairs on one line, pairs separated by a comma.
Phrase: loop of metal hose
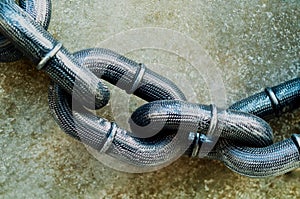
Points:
[[243, 156], [67, 71], [161, 147]]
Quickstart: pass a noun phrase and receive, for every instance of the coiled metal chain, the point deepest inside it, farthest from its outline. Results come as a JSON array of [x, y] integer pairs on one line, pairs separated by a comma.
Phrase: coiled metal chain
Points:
[[163, 129]]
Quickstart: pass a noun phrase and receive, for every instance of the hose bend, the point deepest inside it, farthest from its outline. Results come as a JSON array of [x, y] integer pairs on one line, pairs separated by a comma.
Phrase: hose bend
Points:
[[245, 144], [106, 137], [272, 160], [48, 54], [169, 116], [123, 73]]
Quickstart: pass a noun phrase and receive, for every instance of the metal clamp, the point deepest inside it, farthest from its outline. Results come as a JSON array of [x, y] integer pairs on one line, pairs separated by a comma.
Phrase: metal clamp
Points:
[[196, 143], [110, 137], [213, 120], [138, 78], [48, 56], [274, 100], [296, 140], [198, 138]]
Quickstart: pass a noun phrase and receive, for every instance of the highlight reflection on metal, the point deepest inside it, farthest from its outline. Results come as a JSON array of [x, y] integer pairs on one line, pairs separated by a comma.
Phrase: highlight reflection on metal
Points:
[[240, 131], [139, 76], [48, 56]]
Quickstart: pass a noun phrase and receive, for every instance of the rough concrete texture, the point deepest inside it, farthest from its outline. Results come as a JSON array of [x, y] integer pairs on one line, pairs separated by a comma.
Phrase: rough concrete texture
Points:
[[253, 43]]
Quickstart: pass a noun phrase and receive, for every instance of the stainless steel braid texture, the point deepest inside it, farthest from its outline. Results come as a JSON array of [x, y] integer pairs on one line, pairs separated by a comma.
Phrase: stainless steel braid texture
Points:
[[35, 42], [240, 132], [95, 131], [272, 160], [260, 104], [40, 11], [265, 161], [121, 71], [138, 151], [170, 116]]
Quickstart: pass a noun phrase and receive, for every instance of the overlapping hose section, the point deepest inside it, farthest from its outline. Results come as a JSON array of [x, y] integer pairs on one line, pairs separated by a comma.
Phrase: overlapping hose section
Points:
[[172, 116], [163, 129], [169, 115], [239, 155], [106, 136], [272, 160], [39, 46]]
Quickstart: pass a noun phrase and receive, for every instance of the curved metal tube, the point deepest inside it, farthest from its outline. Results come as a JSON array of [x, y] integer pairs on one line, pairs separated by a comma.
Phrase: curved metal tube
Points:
[[237, 137], [145, 152], [107, 137], [40, 11], [123, 73], [172, 116], [38, 45], [273, 160], [68, 71]]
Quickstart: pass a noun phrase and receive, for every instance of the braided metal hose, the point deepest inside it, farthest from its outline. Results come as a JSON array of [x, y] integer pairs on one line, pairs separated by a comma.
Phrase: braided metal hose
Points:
[[146, 151], [69, 70], [128, 75], [40, 11], [276, 159], [238, 155], [272, 101], [271, 160], [39, 46], [107, 137]]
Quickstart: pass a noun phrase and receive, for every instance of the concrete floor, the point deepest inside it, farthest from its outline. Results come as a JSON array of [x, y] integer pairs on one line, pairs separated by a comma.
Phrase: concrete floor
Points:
[[252, 44]]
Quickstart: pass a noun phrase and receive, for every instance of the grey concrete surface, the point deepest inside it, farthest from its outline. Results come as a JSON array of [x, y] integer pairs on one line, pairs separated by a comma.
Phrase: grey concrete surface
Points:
[[253, 43]]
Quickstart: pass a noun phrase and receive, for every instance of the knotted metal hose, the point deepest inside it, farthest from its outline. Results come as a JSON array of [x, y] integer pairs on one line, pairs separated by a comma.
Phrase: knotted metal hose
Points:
[[143, 151], [107, 137], [238, 155]]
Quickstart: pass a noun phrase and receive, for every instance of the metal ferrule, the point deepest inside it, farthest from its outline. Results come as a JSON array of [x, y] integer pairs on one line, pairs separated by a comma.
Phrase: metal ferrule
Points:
[[137, 78], [296, 139]]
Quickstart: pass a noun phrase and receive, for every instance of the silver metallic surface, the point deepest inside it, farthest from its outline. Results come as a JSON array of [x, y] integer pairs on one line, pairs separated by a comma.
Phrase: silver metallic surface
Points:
[[238, 155], [125, 142], [273, 160], [239, 127], [110, 138], [139, 76], [48, 56], [196, 146], [213, 120], [100, 134], [95, 131], [121, 72], [296, 139], [273, 99], [167, 116], [35, 42], [40, 11], [260, 104]]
